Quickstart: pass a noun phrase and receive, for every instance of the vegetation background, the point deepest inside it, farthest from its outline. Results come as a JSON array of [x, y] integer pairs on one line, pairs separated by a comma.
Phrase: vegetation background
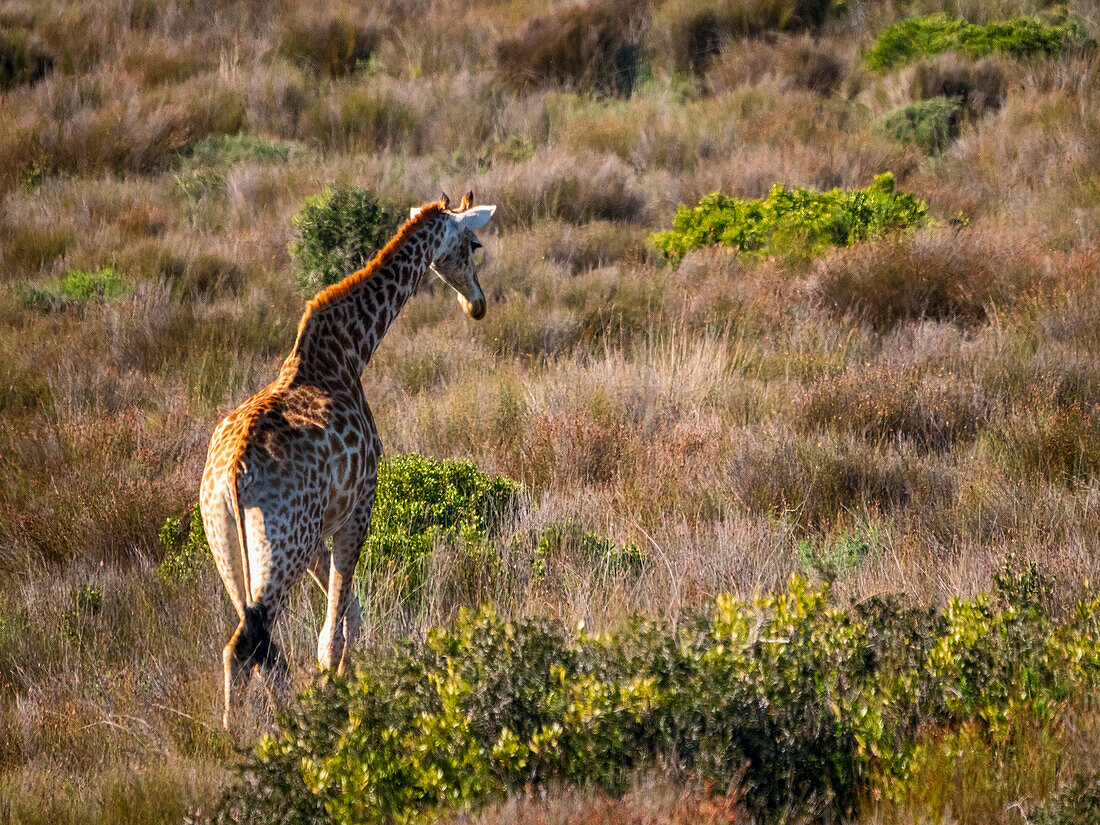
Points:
[[894, 416]]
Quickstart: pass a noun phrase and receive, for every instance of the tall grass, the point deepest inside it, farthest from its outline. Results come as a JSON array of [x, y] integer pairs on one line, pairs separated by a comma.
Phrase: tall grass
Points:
[[894, 415]]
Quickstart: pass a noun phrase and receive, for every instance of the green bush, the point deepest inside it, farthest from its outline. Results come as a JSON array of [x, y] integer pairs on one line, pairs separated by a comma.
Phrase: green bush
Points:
[[808, 706], [186, 549], [420, 501], [338, 232], [792, 220], [569, 540], [929, 124], [77, 288], [938, 33]]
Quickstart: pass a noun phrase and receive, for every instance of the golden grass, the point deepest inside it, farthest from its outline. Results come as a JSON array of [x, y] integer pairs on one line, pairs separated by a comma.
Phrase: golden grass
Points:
[[938, 390]]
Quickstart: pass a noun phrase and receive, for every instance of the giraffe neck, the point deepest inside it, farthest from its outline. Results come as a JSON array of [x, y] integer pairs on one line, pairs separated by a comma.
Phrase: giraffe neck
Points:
[[344, 324]]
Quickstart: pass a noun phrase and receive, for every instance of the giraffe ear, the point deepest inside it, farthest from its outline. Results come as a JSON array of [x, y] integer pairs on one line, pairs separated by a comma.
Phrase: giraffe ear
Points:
[[475, 218]]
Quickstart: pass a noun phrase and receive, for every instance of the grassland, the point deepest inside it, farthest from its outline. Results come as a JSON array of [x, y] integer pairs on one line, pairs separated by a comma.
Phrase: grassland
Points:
[[895, 416]]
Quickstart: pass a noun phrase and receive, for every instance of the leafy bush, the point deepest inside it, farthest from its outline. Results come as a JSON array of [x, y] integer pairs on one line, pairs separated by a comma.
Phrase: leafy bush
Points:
[[421, 500], [586, 46], [1076, 804], [792, 220], [807, 705], [222, 151], [938, 33], [696, 30], [569, 540], [929, 124], [75, 289], [338, 232], [186, 549]]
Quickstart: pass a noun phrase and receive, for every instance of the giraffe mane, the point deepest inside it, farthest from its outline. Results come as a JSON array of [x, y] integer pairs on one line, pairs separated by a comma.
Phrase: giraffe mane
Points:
[[384, 256]]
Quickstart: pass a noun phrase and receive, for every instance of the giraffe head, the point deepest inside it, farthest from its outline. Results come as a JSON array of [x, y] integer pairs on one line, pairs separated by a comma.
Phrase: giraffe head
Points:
[[455, 262]]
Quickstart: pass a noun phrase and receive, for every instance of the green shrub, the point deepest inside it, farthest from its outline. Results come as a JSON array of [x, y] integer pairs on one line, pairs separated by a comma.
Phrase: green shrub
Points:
[[792, 220], [809, 707], [338, 232], [593, 45], [938, 33], [75, 289], [1076, 804], [929, 124], [222, 151], [186, 549], [421, 500]]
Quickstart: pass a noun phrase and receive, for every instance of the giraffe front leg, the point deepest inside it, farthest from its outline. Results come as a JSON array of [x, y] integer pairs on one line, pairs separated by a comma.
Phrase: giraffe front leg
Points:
[[344, 615]]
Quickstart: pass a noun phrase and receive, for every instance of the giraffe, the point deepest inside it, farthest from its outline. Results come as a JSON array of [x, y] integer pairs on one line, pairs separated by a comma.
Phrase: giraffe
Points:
[[297, 463]]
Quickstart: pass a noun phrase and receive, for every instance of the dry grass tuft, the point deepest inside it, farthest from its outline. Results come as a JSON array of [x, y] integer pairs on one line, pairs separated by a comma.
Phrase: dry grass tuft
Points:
[[591, 45], [692, 32], [979, 85], [937, 274], [792, 62], [556, 185], [333, 42]]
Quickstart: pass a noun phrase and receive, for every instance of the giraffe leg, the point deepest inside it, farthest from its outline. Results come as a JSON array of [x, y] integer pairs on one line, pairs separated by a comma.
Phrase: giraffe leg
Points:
[[249, 646], [320, 571], [344, 613]]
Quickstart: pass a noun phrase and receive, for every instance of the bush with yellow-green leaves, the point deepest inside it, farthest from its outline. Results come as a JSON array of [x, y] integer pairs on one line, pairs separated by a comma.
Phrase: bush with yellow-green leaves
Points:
[[807, 705]]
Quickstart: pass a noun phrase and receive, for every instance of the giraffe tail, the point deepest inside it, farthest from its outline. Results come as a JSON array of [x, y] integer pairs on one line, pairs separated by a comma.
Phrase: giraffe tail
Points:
[[238, 517], [253, 644]]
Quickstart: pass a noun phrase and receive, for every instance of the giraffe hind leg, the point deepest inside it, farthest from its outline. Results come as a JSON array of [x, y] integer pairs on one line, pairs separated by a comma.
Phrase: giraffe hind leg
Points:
[[250, 647]]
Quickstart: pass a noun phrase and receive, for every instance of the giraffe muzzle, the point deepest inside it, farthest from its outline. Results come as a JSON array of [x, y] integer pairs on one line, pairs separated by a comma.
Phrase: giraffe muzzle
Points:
[[475, 309]]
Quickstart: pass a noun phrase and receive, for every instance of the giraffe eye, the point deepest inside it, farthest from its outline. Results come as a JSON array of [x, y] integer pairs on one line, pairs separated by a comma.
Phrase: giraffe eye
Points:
[[475, 245]]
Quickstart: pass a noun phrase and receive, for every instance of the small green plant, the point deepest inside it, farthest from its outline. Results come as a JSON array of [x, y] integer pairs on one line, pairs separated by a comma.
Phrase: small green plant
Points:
[[186, 549], [928, 124], [230, 150], [87, 600], [77, 288], [792, 220], [937, 33], [570, 540], [338, 232], [845, 551]]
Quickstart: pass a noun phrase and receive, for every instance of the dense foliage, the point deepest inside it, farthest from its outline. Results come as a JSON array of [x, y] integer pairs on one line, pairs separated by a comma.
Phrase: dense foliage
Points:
[[792, 219], [938, 33], [807, 704], [421, 501], [338, 232]]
